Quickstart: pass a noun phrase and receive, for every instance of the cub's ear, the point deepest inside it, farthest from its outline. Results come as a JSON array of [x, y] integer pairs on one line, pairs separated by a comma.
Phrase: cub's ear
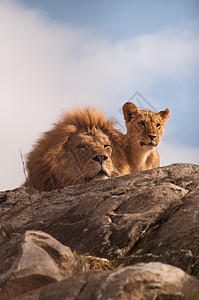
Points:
[[164, 114], [129, 110]]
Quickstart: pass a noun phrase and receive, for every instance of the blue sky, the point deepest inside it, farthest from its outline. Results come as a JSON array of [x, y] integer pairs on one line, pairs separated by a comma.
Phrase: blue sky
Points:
[[56, 55], [118, 19]]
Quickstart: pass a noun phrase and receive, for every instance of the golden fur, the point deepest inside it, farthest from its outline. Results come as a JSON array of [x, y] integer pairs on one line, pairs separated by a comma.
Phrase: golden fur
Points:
[[83, 146], [144, 132]]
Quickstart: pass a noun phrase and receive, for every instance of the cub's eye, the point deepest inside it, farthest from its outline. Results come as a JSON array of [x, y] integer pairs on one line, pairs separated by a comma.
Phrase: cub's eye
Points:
[[107, 146], [142, 123], [158, 125]]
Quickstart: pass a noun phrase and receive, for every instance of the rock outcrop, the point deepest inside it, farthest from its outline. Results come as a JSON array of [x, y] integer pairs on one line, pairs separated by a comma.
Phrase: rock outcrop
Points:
[[138, 282], [147, 223], [33, 260]]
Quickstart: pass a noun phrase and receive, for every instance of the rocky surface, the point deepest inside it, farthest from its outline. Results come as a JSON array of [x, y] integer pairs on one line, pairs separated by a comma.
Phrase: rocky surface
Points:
[[145, 217], [138, 282], [33, 260]]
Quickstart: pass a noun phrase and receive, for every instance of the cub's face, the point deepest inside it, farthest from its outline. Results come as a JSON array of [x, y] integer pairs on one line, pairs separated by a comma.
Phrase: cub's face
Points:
[[144, 127], [89, 156]]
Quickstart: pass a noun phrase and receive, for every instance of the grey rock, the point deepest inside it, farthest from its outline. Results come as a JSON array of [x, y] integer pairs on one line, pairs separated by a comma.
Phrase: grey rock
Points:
[[33, 260], [145, 217], [139, 282]]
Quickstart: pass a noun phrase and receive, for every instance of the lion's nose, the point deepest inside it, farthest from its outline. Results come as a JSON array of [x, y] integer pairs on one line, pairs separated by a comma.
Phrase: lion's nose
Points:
[[100, 158], [152, 136]]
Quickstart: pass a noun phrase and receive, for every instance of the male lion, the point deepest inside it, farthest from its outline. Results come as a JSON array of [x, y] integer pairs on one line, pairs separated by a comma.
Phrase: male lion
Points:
[[144, 132], [83, 146]]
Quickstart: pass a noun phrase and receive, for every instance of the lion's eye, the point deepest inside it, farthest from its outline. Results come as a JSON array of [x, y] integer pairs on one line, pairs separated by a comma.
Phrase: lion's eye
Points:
[[82, 147], [158, 125], [142, 123], [107, 146]]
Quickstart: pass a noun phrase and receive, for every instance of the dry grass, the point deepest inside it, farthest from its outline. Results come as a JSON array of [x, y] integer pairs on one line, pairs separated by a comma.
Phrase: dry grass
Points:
[[95, 263]]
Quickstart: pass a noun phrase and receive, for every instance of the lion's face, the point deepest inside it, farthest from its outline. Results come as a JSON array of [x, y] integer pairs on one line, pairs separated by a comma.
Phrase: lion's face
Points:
[[147, 129], [88, 156], [144, 127]]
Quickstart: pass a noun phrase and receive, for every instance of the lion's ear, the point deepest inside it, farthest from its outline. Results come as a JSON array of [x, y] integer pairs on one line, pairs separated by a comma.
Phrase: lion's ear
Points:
[[129, 110], [164, 114]]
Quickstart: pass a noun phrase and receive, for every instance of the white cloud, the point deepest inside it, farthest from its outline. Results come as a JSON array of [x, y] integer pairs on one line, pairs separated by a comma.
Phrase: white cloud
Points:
[[47, 66]]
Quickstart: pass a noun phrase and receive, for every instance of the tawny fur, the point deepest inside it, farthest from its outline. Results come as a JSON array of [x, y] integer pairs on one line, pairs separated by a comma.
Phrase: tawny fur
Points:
[[82, 146], [144, 132]]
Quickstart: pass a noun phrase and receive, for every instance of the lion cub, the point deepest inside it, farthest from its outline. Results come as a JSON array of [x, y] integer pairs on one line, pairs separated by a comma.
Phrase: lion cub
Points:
[[144, 132]]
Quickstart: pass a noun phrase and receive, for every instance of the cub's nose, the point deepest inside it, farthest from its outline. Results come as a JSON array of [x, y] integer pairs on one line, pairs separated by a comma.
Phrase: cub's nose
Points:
[[100, 158], [152, 136]]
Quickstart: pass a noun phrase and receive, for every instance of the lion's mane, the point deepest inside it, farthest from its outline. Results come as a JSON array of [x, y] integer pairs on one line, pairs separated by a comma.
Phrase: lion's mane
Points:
[[55, 160]]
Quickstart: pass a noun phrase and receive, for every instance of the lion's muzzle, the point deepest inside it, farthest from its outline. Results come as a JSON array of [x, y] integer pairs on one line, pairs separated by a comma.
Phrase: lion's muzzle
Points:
[[100, 158]]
